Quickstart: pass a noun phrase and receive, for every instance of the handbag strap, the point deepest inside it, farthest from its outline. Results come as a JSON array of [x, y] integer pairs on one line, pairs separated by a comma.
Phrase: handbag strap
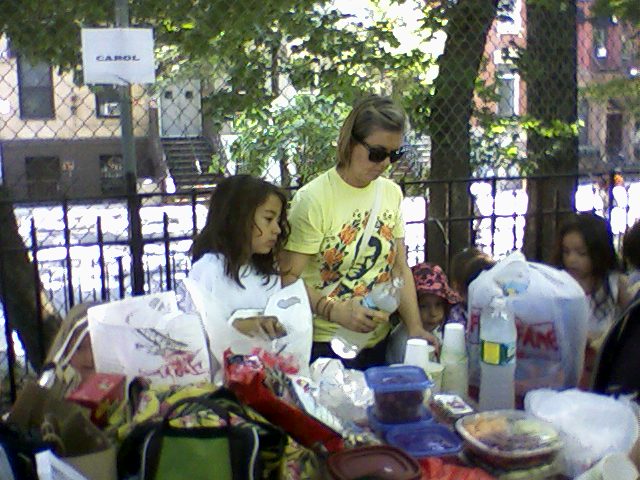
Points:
[[366, 234], [202, 401]]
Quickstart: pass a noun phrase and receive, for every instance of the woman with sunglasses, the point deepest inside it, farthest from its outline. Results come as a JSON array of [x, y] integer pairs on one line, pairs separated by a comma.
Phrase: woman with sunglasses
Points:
[[331, 248]]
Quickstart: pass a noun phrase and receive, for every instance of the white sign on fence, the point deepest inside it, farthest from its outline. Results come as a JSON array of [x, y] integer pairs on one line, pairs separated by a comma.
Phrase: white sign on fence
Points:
[[118, 55]]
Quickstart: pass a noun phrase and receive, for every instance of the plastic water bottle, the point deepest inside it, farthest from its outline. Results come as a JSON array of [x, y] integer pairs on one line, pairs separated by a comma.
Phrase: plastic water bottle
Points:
[[383, 296], [498, 338]]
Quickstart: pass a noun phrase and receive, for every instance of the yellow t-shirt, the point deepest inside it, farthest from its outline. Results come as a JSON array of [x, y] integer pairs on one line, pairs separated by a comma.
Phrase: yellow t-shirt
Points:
[[328, 217]]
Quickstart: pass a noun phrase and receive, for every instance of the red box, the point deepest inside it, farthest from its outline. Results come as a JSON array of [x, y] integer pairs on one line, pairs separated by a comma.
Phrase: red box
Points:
[[101, 393]]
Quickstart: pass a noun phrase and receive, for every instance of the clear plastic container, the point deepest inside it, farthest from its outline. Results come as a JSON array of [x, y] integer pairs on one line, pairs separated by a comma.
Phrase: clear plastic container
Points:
[[425, 440], [398, 392], [509, 439], [381, 429]]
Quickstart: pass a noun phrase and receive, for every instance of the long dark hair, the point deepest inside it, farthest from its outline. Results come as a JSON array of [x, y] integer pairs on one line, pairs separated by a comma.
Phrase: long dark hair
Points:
[[229, 226], [598, 238]]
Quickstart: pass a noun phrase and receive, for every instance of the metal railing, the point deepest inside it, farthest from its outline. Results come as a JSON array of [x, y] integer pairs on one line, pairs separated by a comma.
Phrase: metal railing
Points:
[[80, 250]]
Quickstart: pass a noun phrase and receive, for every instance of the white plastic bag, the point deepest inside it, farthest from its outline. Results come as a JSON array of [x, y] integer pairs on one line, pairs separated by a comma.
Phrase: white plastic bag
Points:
[[289, 304], [592, 425], [149, 336], [551, 313]]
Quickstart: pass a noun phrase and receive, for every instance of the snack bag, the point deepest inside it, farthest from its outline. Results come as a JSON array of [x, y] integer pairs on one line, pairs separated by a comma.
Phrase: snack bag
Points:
[[272, 394]]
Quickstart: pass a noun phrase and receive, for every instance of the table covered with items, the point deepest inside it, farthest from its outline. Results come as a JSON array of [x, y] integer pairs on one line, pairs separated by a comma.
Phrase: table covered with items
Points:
[[164, 403]]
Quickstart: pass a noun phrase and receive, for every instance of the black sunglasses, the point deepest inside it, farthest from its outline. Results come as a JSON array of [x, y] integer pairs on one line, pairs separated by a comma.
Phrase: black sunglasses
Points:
[[379, 154]]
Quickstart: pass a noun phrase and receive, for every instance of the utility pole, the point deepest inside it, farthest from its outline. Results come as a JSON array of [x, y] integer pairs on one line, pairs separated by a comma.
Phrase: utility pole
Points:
[[136, 243]]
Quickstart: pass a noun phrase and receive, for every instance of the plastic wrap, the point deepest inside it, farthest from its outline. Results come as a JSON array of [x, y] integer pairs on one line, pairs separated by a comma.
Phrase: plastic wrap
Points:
[[343, 391], [591, 425]]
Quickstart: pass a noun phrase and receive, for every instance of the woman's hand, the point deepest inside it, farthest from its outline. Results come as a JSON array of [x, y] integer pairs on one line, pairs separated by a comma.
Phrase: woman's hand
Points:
[[353, 315], [260, 326], [419, 332]]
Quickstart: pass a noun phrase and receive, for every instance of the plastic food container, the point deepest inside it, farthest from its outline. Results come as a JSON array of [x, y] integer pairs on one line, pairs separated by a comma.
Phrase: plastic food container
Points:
[[398, 392], [509, 439], [425, 440], [382, 428], [381, 462]]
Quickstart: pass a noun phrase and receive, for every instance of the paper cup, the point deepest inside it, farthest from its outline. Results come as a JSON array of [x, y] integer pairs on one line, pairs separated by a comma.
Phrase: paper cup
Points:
[[418, 352], [453, 342]]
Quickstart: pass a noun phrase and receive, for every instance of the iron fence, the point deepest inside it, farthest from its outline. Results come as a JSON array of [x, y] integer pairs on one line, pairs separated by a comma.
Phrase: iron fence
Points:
[[80, 251]]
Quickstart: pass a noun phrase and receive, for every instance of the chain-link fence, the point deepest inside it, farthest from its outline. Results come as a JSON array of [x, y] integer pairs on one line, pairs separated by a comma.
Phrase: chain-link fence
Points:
[[501, 96]]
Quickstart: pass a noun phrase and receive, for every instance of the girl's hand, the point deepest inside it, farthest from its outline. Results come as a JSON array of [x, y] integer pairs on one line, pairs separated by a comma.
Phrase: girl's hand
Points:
[[353, 315], [260, 326]]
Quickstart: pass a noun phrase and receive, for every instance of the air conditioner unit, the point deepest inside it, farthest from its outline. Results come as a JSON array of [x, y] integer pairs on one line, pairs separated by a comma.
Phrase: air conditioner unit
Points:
[[110, 109]]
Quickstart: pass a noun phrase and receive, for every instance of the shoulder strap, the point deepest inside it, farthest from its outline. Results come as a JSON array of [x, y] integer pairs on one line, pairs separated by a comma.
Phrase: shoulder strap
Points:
[[371, 222], [366, 235]]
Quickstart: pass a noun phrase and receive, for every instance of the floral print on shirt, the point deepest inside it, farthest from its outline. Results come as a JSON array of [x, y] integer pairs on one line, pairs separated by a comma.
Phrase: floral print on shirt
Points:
[[338, 250]]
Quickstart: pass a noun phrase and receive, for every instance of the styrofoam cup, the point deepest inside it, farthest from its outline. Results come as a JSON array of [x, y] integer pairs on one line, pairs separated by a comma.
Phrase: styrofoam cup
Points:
[[418, 352], [453, 342]]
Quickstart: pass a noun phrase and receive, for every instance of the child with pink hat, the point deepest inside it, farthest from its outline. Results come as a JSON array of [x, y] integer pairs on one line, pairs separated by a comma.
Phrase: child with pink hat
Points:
[[435, 299]]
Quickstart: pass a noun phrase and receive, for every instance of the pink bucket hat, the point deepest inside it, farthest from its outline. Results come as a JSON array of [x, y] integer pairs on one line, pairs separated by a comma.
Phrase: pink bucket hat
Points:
[[430, 278]]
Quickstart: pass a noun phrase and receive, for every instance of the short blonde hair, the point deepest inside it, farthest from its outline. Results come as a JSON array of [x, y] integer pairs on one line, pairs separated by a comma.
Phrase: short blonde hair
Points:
[[370, 113]]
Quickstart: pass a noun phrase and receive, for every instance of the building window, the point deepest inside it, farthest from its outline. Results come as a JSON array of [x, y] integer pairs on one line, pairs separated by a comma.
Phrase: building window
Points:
[[107, 102], [583, 117], [600, 40], [43, 177], [507, 90], [35, 89], [112, 174], [613, 141], [509, 17]]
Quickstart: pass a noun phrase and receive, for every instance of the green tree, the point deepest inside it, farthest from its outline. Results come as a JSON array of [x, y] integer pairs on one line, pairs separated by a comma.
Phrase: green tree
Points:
[[552, 143], [628, 10], [301, 135], [449, 111]]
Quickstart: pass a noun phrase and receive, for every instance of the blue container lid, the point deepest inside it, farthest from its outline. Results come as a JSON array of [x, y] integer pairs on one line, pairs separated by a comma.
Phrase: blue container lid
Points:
[[424, 440], [382, 428], [402, 378]]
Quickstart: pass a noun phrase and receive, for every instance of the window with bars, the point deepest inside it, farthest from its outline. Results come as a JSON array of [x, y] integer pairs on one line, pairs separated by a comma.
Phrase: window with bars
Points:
[[35, 89]]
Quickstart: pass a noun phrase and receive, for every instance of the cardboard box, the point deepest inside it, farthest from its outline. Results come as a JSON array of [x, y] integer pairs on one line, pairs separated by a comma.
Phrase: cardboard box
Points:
[[101, 393]]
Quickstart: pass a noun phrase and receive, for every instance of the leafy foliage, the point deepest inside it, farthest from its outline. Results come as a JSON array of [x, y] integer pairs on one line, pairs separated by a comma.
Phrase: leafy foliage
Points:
[[628, 10], [301, 134], [625, 90], [252, 55]]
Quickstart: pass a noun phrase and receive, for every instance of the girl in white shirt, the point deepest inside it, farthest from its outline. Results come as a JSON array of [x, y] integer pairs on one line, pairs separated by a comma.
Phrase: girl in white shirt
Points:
[[584, 248], [234, 256]]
